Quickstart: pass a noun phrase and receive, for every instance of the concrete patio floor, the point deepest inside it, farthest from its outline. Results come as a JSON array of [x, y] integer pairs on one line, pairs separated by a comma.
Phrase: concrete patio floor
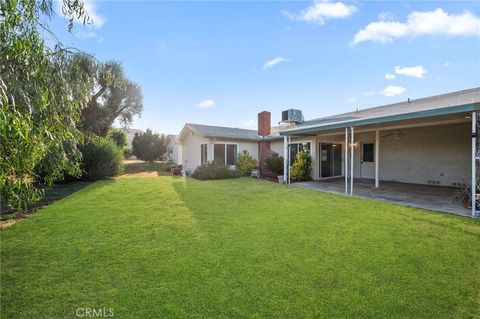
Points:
[[436, 198]]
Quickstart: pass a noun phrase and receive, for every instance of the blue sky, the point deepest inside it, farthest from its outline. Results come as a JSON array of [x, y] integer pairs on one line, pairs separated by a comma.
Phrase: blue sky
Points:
[[222, 62]]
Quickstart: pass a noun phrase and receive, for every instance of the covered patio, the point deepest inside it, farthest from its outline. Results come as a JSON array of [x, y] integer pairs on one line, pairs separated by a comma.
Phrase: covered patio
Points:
[[435, 198], [415, 153]]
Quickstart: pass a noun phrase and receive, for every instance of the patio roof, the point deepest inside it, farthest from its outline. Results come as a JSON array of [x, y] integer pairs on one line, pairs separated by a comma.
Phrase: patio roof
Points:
[[439, 105]]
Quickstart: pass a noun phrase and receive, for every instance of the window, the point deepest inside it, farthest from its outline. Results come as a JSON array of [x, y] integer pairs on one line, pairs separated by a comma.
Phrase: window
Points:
[[367, 150], [298, 147], [203, 154], [231, 154], [219, 153], [225, 153]]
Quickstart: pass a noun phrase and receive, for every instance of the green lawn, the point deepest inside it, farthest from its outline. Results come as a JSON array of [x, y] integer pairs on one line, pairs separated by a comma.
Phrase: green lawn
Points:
[[168, 247]]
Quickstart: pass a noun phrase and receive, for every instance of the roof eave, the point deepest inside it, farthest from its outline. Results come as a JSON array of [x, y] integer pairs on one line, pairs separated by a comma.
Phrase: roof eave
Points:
[[470, 107]]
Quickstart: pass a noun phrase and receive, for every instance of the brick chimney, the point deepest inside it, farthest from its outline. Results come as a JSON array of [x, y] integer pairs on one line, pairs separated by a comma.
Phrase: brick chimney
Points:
[[264, 122], [264, 129]]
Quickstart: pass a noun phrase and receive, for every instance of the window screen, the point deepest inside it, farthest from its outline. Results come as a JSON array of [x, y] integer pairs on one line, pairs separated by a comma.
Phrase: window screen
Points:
[[367, 152], [231, 154], [298, 147], [219, 153]]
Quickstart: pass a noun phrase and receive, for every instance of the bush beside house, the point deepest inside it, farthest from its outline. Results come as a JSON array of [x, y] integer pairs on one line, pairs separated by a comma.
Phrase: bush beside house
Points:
[[301, 167], [215, 170], [245, 163]]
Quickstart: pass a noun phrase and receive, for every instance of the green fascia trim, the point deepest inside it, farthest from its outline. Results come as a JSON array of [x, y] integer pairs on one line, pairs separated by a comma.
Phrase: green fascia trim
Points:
[[387, 119], [233, 138]]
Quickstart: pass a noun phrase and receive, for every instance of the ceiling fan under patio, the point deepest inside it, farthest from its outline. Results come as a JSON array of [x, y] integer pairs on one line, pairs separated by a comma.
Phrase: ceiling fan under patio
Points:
[[396, 134]]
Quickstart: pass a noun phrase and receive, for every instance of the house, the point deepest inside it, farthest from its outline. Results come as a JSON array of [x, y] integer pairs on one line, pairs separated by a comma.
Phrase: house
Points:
[[130, 135], [428, 141], [171, 154], [199, 144]]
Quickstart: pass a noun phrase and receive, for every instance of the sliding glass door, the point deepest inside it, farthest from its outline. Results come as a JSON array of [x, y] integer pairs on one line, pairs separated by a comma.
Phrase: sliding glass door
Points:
[[330, 159]]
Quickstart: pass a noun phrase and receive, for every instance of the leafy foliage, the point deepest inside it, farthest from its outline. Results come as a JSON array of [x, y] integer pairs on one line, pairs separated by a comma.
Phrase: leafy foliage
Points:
[[42, 90], [119, 137], [245, 163], [301, 168], [101, 158], [149, 146], [215, 170], [112, 97], [275, 164]]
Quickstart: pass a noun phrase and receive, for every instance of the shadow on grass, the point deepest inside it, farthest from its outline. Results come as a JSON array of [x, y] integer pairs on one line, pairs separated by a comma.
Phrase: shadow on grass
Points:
[[52, 194]]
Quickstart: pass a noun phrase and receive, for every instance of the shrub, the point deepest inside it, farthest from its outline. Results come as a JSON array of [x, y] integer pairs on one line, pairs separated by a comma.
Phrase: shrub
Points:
[[101, 158], [214, 171], [148, 146], [301, 168], [119, 137], [275, 165], [245, 163]]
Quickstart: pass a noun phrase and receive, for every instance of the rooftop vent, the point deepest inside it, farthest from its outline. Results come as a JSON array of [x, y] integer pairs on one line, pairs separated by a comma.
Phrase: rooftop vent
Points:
[[292, 116]]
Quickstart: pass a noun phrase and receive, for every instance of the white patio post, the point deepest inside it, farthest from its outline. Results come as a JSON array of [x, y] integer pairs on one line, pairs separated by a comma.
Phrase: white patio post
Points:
[[285, 158], [352, 141], [346, 161], [474, 166], [289, 159], [377, 151]]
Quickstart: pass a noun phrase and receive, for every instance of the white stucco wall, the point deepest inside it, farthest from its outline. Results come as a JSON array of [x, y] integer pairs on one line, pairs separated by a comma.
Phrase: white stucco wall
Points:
[[190, 149]]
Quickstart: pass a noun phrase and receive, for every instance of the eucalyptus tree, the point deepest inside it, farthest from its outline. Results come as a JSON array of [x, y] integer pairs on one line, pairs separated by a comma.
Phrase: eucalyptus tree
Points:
[[42, 90]]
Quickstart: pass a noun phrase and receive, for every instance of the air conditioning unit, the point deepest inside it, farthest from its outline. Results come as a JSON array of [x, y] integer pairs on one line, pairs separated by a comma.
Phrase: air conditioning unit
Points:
[[292, 116]]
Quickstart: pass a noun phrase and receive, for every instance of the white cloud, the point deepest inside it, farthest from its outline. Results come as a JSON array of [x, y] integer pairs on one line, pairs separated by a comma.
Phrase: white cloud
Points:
[[351, 99], [207, 104], [96, 19], [274, 61], [436, 22], [250, 123], [390, 76], [369, 93], [385, 16], [414, 71], [321, 11], [88, 35], [392, 90], [447, 64]]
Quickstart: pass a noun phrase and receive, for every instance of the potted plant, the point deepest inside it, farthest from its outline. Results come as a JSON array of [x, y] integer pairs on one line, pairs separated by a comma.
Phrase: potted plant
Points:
[[176, 170], [275, 165]]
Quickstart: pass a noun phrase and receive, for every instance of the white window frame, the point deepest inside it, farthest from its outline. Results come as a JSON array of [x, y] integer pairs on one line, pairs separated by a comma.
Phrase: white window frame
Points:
[[298, 143], [201, 153], [225, 155]]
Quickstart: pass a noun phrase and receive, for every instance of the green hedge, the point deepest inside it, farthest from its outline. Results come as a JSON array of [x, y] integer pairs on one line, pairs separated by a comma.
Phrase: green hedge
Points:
[[101, 158]]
